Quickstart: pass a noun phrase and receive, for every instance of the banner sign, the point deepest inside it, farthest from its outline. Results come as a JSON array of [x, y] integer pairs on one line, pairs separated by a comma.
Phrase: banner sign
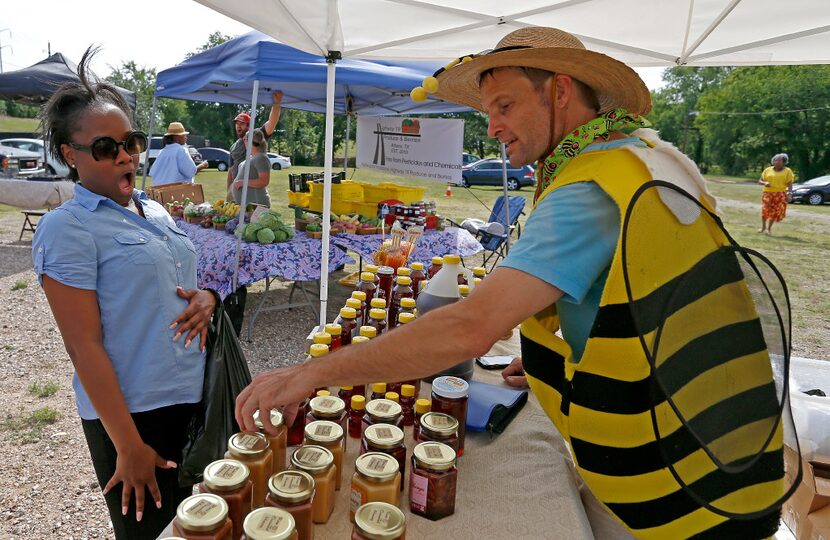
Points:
[[427, 148]]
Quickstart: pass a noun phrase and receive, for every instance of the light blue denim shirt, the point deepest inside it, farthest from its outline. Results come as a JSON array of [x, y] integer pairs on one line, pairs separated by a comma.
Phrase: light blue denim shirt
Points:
[[134, 266]]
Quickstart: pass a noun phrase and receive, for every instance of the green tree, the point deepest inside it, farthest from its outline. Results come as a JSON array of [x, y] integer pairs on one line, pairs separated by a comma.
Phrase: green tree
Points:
[[142, 81]]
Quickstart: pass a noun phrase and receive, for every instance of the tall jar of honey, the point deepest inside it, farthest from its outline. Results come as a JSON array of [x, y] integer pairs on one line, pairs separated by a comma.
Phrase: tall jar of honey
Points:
[[293, 491], [228, 478], [277, 442], [253, 450], [203, 517], [319, 463], [329, 435], [376, 478], [379, 521], [270, 523]]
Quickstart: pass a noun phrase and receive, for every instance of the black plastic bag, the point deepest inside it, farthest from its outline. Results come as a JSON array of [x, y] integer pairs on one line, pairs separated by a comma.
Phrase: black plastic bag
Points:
[[226, 375]]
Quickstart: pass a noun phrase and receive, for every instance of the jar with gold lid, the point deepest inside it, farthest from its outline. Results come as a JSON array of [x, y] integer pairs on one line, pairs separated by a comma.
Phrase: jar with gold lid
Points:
[[433, 480], [439, 427], [253, 450], [203, 517], [328, 435], [387, 439], [319, 463], [376, 478], [229, 479], [277, 442], [270, 523], [328, 408], [293, 491], [382, 411], [379, 521]]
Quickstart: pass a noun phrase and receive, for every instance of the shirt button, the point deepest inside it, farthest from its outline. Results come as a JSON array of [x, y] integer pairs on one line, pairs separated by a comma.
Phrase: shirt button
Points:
[[178, 265], [40, 249], [141, 239], [164, 237]]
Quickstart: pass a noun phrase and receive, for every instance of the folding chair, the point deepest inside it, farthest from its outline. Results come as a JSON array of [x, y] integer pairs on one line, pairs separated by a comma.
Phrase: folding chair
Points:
[[494, 244]]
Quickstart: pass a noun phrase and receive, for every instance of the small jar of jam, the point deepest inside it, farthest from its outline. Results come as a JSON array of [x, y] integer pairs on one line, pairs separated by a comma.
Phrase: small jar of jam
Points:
[[348, 324], [270, 524], [385, 277], [328, 435], [203, 517], [377, 478], [418, 275], [439, 427], [382, 411], [319, 463], [253, 450], [378, 391], [408, 403], [377, 319], [433, 480], [228, 478], [293, 491], [392, 396], [336, 333], [435, 267], [387, 439], [449, 395], [368, 332], [422, 406], [277, 442], [328, 408], [377, 303], [379, 521], [368, 287], [356, 416]]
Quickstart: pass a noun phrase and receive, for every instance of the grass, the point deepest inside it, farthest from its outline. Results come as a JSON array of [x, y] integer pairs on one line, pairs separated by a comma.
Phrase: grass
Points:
[[11, 123], [47, 389], [20, 284], [28, 428]]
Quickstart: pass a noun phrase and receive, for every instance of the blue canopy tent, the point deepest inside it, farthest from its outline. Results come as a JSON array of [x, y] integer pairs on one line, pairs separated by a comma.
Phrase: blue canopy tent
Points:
[[249, 68]]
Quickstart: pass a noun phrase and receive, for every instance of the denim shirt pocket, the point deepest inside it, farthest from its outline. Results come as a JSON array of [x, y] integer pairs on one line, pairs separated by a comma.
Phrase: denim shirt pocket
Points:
[[183, 237], [137, 246]]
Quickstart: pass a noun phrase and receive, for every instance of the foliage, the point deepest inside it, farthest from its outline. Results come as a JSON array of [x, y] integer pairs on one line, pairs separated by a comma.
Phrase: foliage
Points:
[[142, 81], [18, 110], [49, 388], [20, 284]]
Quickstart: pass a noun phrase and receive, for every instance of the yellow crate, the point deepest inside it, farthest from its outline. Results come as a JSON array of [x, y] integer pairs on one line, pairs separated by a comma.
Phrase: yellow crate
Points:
[[367, 209], [338, 206], [346, 190], [381, 192], [299, 199]]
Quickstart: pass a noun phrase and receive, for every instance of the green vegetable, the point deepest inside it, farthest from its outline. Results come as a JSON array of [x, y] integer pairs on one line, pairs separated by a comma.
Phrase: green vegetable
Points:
[[265, 236], [280, 236], [251, 230], [313, 227]]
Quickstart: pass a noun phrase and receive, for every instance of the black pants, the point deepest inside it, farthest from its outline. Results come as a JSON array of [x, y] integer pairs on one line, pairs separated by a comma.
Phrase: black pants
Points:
[[164, 430]]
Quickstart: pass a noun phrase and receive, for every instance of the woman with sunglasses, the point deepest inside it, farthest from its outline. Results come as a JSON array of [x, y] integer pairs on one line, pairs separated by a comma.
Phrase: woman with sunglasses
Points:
[[120, 278], [259, 175]]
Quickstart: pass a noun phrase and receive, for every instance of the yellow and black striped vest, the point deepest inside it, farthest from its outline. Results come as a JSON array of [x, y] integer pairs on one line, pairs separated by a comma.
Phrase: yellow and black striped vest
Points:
[[602, 404]]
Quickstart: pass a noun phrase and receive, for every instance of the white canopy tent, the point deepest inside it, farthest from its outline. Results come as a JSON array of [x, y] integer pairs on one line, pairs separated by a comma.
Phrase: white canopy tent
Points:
[[640, 33]]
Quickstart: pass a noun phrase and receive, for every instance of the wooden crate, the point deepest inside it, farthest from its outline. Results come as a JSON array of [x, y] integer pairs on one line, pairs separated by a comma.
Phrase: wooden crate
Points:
[[167, 193]]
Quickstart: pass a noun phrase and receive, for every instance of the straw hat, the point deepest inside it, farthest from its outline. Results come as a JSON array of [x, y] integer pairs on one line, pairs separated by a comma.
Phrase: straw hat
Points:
[[176, 128], [550, 49]]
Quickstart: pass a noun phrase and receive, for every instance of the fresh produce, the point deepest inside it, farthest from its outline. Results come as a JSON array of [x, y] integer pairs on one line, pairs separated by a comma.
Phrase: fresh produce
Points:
[[207, 222], [255, 232], [221, 218], [265, 236], [314, 227], [231, 225], [249, 233]]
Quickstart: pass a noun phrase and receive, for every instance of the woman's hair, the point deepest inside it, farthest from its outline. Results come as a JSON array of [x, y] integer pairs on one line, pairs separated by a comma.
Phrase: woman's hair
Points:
[[258, 139], [783, 156], [60, 116]]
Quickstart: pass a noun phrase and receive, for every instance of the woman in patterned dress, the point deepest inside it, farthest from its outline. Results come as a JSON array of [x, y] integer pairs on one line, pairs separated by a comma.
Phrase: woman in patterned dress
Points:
[[778, 184]]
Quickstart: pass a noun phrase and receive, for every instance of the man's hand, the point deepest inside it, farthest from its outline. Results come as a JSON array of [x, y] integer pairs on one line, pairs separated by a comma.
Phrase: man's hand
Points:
[[514, 374], [135, 467], [284, 387], [277, 96], [196, 316]]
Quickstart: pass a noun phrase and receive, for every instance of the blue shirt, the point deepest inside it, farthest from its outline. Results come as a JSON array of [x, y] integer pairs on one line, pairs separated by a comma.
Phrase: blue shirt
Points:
[[173, 164], [569, 241], [134, 266]]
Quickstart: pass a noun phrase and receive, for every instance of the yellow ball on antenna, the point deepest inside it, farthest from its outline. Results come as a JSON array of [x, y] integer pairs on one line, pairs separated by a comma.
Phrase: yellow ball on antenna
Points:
[[418, 94], [466, 59], [431, 85], [453, 63]]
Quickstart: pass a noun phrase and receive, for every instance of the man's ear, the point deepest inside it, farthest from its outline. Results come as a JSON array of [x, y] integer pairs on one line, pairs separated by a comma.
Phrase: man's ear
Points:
[[564, 89]]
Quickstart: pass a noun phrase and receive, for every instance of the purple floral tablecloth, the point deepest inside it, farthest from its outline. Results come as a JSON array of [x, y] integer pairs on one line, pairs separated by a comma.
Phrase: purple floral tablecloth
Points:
[[297, 260], [431, 244]]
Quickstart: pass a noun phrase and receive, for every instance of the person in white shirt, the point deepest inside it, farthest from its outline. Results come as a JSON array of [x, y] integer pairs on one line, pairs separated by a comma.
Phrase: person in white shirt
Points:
[[174, 163]]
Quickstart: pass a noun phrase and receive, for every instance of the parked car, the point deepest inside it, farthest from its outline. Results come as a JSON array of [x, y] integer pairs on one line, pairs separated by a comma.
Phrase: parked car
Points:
[[16, 162], [217, 158], [156, 144], [278, 162], [53, 166], [815, 191], [487, 172], [469, 159]]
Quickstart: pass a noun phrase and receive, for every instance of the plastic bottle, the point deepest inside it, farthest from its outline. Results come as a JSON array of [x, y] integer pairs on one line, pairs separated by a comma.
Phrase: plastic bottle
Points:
[[376, 303], [377, 319], [360, 389], [358, 407], [378, 390], [367, 286], [464, 291], [403, 289], [441, 291], [368, 332], [407, 306], [403, 271], [435, 267], [408, 403], [360, 295], [336, 333], [392, 396], [479, 272], [422, 406], [348, 324], [418, 275], [386, 276]]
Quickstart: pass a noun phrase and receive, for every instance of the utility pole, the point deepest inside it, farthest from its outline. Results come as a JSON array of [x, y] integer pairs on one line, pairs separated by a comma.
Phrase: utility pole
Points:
[[3, 46]]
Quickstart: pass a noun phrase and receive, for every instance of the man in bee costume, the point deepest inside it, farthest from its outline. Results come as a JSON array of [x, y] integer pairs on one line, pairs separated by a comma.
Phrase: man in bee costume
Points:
[[663, 380]]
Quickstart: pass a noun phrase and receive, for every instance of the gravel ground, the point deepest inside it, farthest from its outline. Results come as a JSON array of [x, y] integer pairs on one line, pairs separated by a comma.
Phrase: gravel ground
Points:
[[47, 484]]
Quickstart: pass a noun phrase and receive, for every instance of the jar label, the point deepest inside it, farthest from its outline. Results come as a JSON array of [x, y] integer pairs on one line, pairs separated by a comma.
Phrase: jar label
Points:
[[201, 508], [377, 464], [311, 456], [247, 441], [379, 517], [433, 451], [418, 487], [384, 433], [322, 430], [269, 523], [327, 403], [440, 421], [290, 482], [357, 498], [382, 407], [226, 471]]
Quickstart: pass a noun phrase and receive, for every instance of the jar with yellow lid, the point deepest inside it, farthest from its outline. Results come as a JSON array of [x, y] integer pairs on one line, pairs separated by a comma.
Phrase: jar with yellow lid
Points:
[[270, 523], [439, 427], [356, 416], [229, 479], [382, 411], [277, 442], [407, 403], [392, 396], [433, 480], [422, 406], [368, 331], [377, 320], [379, 521], [203, 517], [387, 439], [418, 275], [253, 450], [293, 491], [348, 324], [435, 267], [319, 463], [336, 333], [378, 391], [377, 478], [330, 435], [354, 303], [328, 408]]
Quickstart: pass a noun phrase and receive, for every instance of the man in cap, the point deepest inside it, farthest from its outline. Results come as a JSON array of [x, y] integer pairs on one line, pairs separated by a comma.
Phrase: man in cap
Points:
[[174, 163], [241, 124], [578, 268]]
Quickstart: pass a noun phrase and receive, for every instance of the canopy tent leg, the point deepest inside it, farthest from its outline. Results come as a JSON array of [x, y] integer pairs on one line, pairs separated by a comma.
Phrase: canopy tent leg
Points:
[[328, 151], [346, 143], [145, 165], [249, 138], [506, 196]]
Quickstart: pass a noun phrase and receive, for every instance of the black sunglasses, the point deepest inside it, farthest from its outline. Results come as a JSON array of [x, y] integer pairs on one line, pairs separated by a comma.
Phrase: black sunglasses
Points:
[[108, 148]]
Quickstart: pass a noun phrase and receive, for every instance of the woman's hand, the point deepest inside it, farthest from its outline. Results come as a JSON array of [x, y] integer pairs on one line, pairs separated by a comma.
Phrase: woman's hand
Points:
[[237, 184], [514, 374], [135, 467], [195, 318]]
